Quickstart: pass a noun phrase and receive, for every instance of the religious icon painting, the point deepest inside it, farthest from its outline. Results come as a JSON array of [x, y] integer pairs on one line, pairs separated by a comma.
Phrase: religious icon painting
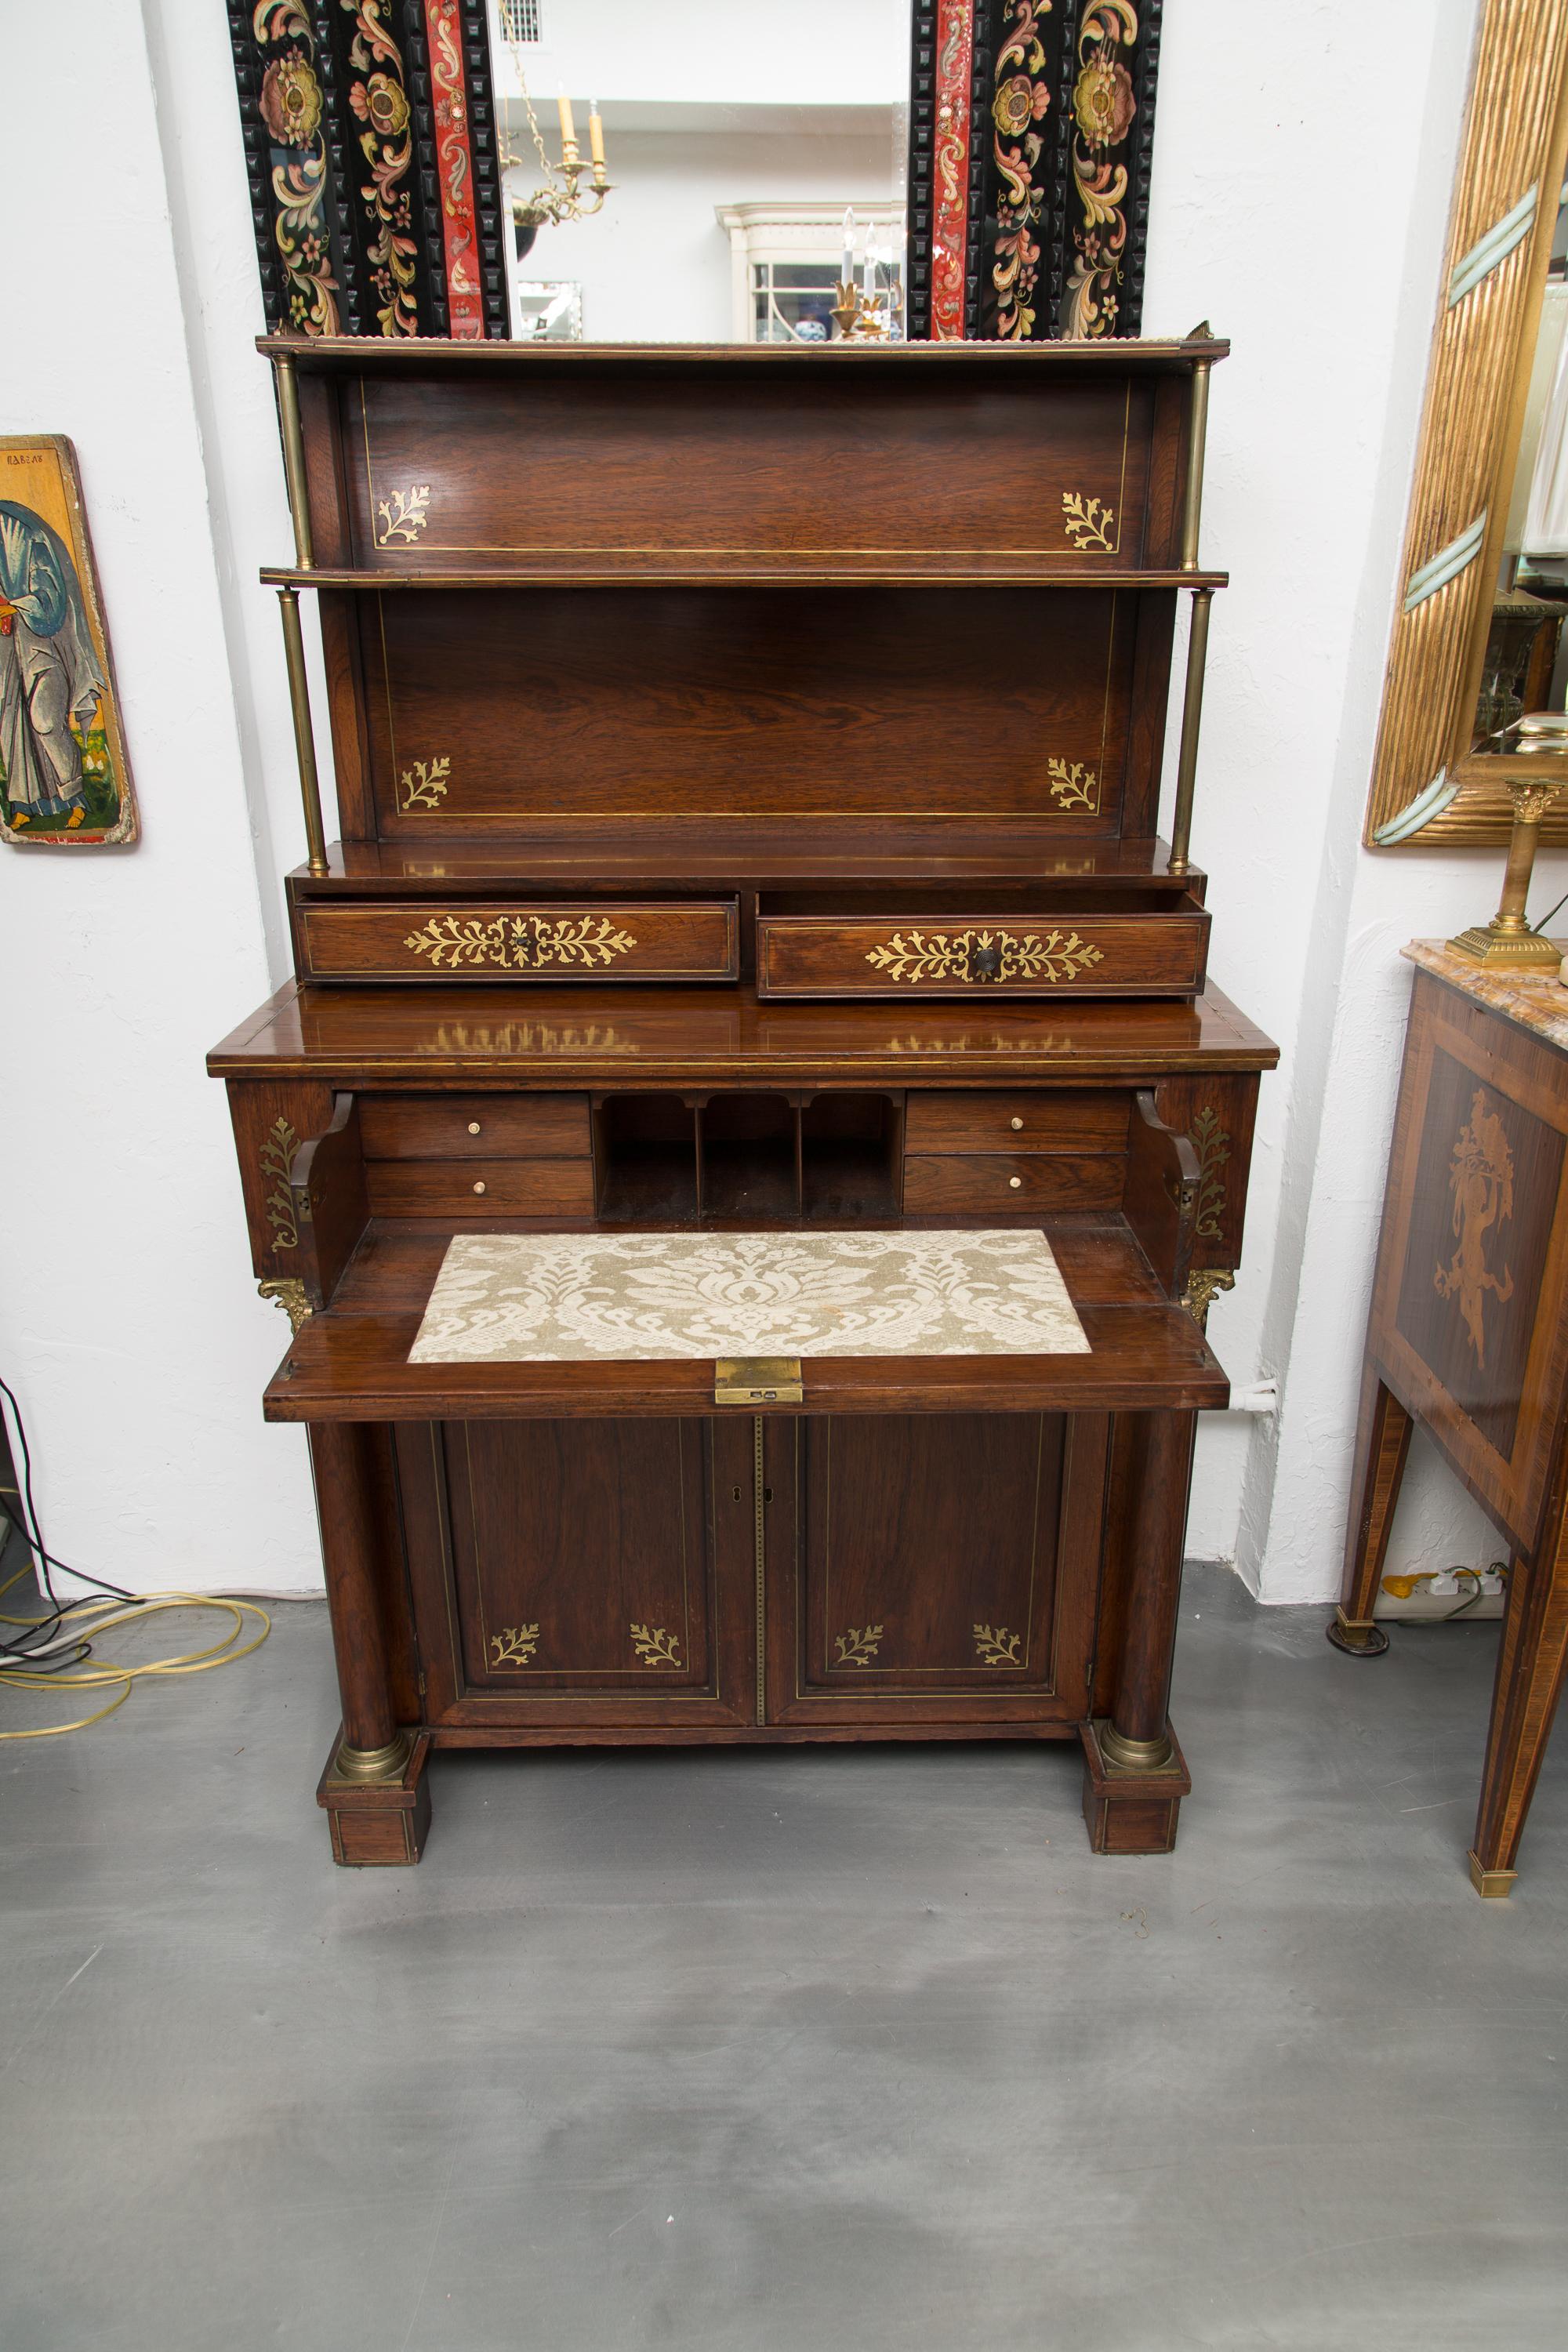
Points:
[[65, 782]]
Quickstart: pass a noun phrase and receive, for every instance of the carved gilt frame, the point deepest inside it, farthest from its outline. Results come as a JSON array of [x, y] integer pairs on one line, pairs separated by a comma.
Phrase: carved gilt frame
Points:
[[1429, 789]]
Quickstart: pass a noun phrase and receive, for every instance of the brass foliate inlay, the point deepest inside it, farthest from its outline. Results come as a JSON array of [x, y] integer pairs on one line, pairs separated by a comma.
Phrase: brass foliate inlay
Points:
[[513, 1646], [655, 1646], [277, 1157], [519, 942], [403, 516], [423, 785], [1072, 785], [997, 1647], [1480, 1179], [1212, 1143], [975, 958], [1090, 523], [859, 1645]]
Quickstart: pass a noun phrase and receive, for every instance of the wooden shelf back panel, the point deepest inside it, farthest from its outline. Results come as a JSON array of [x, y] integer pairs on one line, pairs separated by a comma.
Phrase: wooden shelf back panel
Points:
[[893, 464], [603, 707]]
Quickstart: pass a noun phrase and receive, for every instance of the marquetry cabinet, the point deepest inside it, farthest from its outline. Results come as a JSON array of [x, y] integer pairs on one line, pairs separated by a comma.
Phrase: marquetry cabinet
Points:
[[1469, 1338], [747, 767]]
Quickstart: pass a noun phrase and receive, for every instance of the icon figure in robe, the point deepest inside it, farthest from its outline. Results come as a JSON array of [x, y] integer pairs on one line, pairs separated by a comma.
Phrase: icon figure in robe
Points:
[[50, 674]]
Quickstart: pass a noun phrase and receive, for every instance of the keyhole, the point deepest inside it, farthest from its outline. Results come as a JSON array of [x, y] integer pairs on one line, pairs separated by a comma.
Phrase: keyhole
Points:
[[736, 1492]]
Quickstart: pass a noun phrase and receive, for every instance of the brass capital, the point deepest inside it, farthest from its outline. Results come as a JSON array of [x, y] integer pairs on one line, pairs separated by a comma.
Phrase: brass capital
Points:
[[386, 1763]]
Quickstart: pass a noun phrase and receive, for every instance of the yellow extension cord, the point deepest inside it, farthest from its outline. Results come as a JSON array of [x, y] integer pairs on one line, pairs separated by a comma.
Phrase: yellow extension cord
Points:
[[98, 1616]]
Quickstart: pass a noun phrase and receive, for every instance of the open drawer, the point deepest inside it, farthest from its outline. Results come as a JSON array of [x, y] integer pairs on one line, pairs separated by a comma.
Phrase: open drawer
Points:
[[1021, 943]]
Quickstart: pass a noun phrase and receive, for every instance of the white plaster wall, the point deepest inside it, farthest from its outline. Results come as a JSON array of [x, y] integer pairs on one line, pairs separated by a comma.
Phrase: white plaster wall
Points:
[[127, 1325]]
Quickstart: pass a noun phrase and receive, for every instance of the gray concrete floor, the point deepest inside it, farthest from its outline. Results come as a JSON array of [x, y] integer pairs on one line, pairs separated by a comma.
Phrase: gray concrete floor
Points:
[[809, 2051]]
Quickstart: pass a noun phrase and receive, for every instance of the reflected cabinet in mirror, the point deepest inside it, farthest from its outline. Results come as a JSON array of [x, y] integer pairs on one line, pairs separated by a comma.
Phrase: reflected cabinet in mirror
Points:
[[548, 170], [1478, 658]]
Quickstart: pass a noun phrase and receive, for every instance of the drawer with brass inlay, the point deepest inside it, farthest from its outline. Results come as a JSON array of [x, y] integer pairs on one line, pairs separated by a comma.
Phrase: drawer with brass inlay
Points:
[[981, 1185], [1070, 1118], [515, 939], [475, 1127], [999, 955], [479, 1188]]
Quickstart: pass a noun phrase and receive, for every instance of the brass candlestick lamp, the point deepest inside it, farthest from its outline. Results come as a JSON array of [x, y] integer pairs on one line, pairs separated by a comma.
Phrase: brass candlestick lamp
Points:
[[1506, 943], [860, 314]]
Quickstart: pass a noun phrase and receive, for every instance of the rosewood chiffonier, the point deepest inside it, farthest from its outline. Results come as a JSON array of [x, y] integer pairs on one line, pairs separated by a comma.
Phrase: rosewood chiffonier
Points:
[[746, 765]]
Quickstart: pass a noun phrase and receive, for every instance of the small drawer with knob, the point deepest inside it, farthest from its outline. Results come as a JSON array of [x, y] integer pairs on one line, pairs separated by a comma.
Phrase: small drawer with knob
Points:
[[906, 955], [478, 1126], [479, 1188], [1068, 1118], [990, 1184]]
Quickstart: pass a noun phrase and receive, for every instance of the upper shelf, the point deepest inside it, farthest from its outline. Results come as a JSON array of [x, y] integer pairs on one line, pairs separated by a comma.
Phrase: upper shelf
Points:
[[487, 465], [376, 356], [741, 569]]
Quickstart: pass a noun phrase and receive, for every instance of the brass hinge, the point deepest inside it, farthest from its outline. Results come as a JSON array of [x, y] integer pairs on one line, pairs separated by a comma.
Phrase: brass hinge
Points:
[[757, 1379]]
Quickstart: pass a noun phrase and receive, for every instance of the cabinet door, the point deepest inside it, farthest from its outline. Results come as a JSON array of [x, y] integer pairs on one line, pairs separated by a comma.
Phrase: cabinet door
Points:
[[928, 1568], [581, 1573]]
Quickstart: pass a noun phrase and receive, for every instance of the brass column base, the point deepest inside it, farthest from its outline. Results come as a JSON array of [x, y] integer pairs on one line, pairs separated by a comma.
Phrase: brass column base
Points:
[[1517, 950], [1132, 1755], [1494, 1884], [1357, 1637], [388, 1763]]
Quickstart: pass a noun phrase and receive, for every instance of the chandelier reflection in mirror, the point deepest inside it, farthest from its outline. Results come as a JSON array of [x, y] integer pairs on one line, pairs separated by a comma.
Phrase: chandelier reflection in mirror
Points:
[[559, 196]]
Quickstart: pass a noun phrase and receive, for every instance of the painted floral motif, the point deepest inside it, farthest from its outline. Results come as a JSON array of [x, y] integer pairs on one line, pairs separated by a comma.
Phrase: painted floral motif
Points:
[[289, 104], [465, 307], [1023, 98], [381, 102], [290, 101], [1480, 1179], [1103, 107], [949, 225]]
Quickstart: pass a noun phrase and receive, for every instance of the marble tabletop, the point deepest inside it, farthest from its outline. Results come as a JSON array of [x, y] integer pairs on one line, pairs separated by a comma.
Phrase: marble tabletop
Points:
[[1536, 1001]]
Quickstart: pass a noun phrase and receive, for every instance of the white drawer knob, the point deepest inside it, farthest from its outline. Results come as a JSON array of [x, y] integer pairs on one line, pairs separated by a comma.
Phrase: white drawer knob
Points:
[[478, 1188], [473, 1127], [1017, 1125], [1013, 1183]]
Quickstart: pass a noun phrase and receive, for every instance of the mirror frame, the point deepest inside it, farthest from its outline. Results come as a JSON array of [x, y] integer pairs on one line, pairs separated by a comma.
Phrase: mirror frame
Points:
[[378, 203], [1429, 789]]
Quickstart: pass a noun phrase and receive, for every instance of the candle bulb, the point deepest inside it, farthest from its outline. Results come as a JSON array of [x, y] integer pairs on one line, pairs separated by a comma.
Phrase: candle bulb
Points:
[[868, 272], [595, 133], [568, 128], [848, 273]]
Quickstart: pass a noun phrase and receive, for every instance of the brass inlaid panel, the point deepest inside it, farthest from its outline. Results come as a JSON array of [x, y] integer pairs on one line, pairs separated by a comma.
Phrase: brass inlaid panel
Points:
[[959, 955], [616, 939]]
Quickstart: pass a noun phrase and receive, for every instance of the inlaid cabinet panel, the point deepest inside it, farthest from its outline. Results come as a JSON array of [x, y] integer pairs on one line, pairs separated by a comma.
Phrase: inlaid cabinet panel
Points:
[[930, 1555], [578, 1570]]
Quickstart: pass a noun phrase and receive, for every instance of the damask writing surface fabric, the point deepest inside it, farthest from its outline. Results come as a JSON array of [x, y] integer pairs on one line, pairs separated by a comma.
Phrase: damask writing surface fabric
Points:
[[588, 1298]]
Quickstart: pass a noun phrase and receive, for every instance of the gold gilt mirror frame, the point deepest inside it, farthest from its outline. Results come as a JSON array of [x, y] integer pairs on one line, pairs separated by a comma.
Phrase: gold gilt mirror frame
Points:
[[1429, 788]]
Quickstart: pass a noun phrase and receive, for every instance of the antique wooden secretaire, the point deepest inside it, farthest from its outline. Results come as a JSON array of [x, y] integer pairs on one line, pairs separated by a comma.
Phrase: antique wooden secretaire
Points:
[[746, 766]]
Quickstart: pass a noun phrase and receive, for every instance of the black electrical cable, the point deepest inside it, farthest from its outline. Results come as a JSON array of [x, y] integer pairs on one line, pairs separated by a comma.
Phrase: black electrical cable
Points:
[[44, 1629]]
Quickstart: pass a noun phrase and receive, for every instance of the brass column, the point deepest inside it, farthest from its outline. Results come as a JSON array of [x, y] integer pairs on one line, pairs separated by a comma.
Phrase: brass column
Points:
[[1507, 939], [304, 738], [1192, 718]]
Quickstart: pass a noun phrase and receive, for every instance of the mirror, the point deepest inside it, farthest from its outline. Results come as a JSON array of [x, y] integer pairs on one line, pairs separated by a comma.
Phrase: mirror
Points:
[[1477, 641], [1525, 666], [728, 167]]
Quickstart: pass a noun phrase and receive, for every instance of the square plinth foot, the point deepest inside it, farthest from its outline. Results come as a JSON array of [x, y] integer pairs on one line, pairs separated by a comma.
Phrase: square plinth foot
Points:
[[1127, 1812], [377, 1823], [1494, 1884]]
